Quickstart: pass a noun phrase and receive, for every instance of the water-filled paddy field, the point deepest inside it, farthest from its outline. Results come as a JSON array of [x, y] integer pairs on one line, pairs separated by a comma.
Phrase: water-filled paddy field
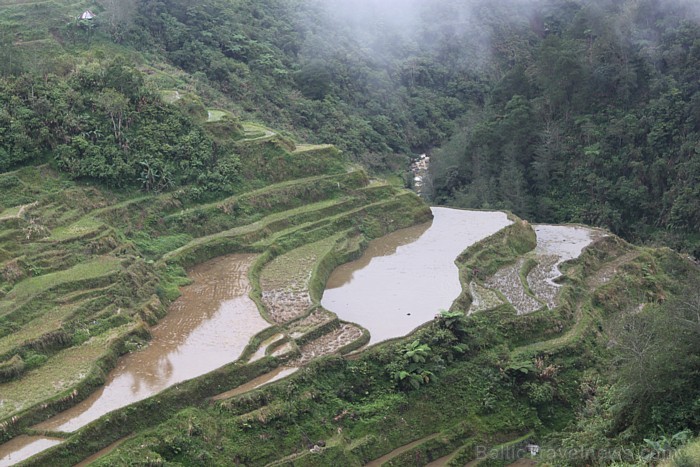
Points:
[[405, 278]]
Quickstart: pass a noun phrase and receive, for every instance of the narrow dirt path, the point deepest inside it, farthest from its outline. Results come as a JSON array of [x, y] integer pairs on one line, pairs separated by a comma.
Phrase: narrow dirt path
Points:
[[19, 212], [398, 451]]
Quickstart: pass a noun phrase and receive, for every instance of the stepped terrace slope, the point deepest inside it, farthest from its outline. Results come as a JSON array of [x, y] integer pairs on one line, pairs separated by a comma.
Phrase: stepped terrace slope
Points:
[[85, 271], [516, 376]]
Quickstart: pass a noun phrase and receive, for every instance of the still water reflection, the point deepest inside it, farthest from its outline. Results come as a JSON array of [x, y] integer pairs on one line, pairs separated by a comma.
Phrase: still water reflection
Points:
[[404, 279], [207, 327]]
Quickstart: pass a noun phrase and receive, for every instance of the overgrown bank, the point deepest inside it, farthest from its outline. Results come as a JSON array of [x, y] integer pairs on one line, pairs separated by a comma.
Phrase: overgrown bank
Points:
[[124, 161]]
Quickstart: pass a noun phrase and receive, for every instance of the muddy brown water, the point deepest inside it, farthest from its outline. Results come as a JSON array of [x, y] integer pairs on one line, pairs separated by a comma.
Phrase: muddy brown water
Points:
[[24, 446], [402, 281], [405, 278], [206, 328], [260, 353]]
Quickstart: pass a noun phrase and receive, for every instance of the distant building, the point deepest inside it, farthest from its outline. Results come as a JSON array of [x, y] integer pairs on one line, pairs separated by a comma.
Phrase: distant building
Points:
[[87, 14]]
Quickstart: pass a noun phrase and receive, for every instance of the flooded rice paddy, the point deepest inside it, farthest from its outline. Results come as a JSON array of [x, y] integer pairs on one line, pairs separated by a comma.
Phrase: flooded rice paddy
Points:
[[23, 447], [405, 278], [402, 281], [555, 245], [206, 328]]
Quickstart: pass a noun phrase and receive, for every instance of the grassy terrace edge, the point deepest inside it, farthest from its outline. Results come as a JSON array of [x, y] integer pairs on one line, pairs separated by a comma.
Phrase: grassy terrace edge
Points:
[[408, 211], [194, 393], [498, 342], [317, 174]]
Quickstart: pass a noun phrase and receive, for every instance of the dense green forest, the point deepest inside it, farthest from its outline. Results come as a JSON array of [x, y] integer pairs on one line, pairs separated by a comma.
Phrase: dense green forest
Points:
[[596, 119], [583, 111], [565, 111], [103, 124]]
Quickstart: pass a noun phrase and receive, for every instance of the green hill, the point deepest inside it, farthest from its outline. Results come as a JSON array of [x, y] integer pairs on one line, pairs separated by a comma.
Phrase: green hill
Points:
[[159, 135]]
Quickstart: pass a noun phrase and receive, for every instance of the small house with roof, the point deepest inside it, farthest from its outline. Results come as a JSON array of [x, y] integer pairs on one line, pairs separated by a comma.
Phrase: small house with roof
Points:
[[87, 14]]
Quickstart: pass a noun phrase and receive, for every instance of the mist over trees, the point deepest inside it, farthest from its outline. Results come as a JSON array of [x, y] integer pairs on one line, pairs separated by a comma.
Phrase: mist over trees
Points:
[[119, 16], [596, 122], [560, 110]]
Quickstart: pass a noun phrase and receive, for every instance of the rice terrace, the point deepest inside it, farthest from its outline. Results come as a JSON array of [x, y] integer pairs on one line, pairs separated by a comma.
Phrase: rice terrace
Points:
[[324, 233]]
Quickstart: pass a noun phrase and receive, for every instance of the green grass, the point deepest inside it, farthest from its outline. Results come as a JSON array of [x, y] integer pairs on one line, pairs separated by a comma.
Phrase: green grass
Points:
[[170, 96], [263, 199], [267, 220], [396, 181], [50, 321], [123, 204], [301, 148], [686, 456], [85, 226], [92, 222], [255, 131], [259, 228], [10, 213], [379, 417], [343, 219], [158, 246], [33, 286], [59, 374], [292, 270], [529, 264], [216, 115], [107, 234]]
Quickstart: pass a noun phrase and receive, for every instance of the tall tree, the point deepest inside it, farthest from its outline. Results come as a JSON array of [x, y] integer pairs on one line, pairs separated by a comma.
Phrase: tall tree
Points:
[[119, 16]]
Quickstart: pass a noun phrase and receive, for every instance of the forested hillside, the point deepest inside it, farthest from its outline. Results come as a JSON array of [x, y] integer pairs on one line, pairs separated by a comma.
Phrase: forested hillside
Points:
[[376, 90], [596, 119], [581, 111]]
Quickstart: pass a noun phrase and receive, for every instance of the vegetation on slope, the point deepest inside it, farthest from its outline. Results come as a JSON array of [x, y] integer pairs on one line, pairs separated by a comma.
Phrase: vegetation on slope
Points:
[[595, 120], [86, 269], [566, 110], [561, 111], [498, 386]]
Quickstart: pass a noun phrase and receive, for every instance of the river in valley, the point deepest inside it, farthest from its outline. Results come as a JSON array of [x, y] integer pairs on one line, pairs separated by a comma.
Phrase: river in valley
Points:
[[405, 278], [206, 328]]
